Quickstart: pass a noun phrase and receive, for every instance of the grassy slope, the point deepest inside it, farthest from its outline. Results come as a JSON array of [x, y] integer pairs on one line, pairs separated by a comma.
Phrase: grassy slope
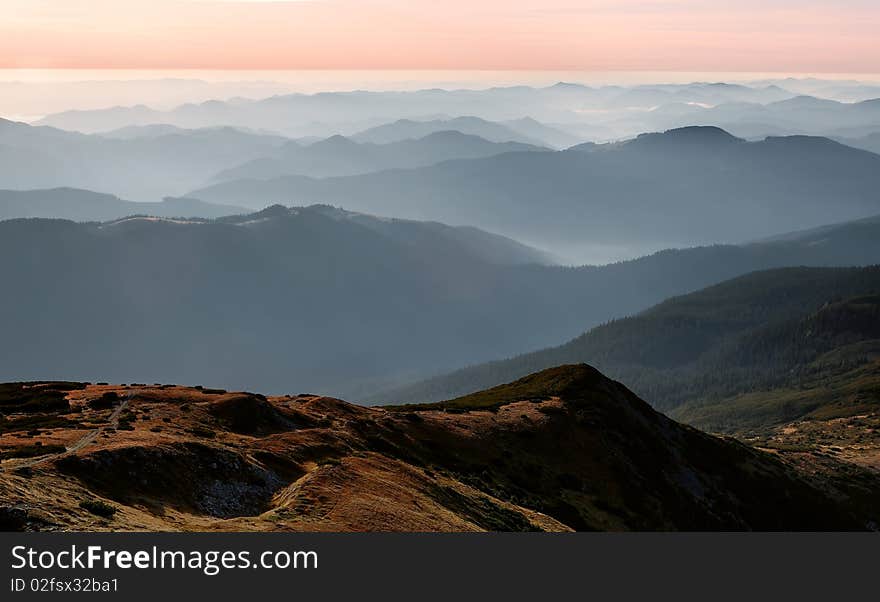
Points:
[[559, 381]]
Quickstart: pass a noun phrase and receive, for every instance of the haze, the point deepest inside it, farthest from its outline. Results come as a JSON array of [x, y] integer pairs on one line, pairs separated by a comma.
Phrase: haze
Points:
[[234, 174]]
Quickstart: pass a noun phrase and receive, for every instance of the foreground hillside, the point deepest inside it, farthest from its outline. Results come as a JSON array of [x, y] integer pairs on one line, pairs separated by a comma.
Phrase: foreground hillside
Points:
[[562, 449]]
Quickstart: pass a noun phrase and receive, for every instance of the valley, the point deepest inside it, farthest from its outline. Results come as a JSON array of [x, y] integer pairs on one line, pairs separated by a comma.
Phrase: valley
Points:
[[534, 307]]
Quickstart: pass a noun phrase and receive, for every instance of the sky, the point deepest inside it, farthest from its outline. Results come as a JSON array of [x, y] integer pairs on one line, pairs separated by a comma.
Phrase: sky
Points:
[[792, 36]]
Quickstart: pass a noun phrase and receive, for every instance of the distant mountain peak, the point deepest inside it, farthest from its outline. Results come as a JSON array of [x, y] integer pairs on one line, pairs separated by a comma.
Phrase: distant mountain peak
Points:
[[805, 102], [583, 147], [710, 132], [9, 123], [694, 134], [330, 211], [271, 212], [528, 119], [448, 135], [567, 86], [455, 136], [335, 141]]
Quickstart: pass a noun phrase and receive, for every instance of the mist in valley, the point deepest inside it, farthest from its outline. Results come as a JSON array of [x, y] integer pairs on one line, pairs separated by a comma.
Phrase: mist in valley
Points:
[[256, 235]]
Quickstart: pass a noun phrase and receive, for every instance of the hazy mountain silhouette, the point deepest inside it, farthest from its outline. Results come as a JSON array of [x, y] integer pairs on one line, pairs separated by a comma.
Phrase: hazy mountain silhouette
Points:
[[842, 90], [557, 138], [699, 93], [566, 114], [338, 156], [682, 187], [434, 237], [605, 108], [422, 238], [87, 206], [798, 115], [142, 168], [322, 299], [406, 129], [314, 296]]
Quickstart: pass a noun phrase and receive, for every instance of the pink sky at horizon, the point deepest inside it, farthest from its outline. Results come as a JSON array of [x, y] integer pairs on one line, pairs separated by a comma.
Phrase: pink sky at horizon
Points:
[[597, 35]]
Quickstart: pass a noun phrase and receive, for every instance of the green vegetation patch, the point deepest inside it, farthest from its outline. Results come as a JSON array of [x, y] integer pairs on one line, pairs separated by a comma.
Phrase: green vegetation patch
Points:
[[98, 508]]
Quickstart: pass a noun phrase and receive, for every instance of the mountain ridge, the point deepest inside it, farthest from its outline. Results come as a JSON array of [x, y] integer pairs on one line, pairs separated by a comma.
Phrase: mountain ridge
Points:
[[287, 463], [616, 194], [342, 156], [141, 168]]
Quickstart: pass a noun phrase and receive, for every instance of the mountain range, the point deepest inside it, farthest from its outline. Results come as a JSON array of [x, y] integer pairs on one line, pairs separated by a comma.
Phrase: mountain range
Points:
[[578, 112], [150, 162], [567, 324], [558, 106], [340, 156], [332, 298], [807, 115], [142, 168], [696, 185], [325, 299], [407, 129], [598, 202]]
